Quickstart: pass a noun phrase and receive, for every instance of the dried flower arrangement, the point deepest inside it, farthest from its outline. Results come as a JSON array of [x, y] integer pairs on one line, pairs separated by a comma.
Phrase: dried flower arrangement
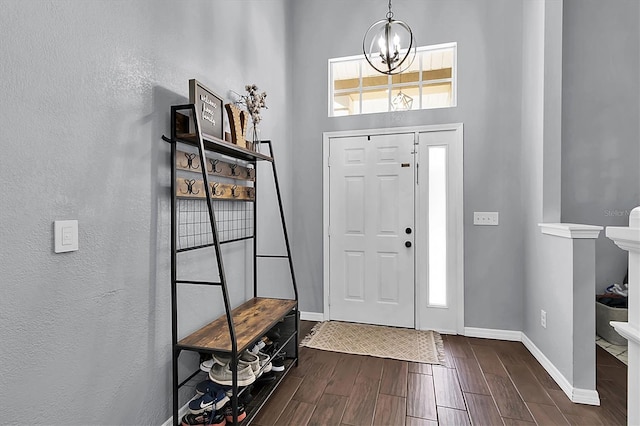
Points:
[[254, 102]]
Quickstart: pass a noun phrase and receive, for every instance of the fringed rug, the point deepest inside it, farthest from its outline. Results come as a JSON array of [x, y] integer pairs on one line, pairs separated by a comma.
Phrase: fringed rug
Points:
[[375, 340]]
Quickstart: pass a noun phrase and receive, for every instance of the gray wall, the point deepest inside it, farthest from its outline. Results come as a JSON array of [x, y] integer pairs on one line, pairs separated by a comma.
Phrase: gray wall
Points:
[[489, 38], [601, 139], [86, 90], [548, 260], [599, 158]]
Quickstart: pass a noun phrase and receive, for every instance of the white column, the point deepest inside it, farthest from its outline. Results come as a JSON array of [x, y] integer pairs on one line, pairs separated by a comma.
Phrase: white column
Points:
[[628, 238]]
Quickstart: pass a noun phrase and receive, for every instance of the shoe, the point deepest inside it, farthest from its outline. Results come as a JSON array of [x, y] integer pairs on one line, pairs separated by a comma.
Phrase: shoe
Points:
[[228, 413], [246, 359], [265, 365], [207, 386], [257, 346], [249, 358], [205, 418], [206, 365], [214, 400], [274, 334], [270, 350], [278, 362], [222, 375], [264, 379]]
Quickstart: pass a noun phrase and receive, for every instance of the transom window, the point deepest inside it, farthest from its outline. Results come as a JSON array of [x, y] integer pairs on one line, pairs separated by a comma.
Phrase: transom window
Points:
[[430, 82]]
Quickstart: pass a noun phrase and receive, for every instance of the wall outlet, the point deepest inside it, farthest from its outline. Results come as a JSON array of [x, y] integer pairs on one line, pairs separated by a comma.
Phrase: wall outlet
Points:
[[543, 318], [485, 218]]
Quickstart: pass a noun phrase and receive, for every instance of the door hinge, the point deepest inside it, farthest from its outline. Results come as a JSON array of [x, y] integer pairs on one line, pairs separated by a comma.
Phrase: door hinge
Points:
[[329, 161], [417, 173]]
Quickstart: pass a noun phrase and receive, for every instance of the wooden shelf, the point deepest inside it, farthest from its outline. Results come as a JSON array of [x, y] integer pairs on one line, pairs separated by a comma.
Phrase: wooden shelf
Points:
[[211, 143], [251, 320]]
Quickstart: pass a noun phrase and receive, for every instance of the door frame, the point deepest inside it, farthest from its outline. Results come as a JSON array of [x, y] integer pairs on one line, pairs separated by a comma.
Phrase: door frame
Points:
[[457, 194]]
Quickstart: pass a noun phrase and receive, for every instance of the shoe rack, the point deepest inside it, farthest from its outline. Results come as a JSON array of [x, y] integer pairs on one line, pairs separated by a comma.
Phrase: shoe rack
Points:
[[214, 202]]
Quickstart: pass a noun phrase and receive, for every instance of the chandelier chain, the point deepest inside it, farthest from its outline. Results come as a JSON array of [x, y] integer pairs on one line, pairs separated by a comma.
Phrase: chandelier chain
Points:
[[389, 13]]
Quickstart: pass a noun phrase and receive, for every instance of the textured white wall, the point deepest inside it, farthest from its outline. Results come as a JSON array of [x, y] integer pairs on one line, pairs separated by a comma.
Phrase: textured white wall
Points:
[[86, 91]]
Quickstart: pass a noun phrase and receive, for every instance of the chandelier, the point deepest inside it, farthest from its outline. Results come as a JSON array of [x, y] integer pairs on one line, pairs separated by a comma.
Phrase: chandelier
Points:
[[383, 45]]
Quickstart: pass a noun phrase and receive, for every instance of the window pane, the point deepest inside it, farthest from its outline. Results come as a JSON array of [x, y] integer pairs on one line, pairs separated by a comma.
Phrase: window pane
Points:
[[437, 59], [345, 104], [346, 75], [437, 225], [375, 101], [436, 95]]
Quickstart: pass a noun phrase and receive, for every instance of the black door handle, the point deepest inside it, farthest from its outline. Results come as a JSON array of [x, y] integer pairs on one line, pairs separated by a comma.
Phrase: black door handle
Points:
[[408, 230], [407, 243]]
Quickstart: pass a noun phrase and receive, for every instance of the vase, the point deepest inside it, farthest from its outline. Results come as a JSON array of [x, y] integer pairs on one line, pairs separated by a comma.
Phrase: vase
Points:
[[254, 137]]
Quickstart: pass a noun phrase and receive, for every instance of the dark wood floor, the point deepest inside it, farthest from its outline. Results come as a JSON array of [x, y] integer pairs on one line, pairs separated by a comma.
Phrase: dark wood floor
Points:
[[485, 382]]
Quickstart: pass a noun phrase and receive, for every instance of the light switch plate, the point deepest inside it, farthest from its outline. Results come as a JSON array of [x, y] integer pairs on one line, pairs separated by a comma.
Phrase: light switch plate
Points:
[[485, 218], [65, 235]]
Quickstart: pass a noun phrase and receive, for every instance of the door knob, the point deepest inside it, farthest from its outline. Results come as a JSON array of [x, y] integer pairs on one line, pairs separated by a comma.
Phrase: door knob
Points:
[[408, 230], [407, 243]]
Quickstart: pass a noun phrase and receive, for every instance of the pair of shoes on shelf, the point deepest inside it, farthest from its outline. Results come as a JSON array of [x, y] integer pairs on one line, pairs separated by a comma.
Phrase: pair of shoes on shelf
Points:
[[213, 400], [245, 359], [213, 418], [250, 367]]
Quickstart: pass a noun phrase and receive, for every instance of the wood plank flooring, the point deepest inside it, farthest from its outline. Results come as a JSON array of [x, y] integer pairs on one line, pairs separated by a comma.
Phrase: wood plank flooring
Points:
[[485, 382]]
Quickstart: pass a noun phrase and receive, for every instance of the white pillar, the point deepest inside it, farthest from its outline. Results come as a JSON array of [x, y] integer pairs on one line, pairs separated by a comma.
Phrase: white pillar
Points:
[[628, 238]]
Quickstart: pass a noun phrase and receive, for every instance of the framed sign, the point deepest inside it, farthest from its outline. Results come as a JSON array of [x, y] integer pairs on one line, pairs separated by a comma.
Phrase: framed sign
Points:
[[208, 106]]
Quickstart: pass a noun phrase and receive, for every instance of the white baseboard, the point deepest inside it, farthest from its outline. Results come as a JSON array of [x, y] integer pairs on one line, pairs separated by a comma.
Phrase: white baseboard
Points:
[[577, 395], [181, 412], [311, 316], [488, 333]]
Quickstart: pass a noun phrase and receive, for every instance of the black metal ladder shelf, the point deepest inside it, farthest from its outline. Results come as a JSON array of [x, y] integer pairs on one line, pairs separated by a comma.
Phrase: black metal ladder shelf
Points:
[[238, 329]]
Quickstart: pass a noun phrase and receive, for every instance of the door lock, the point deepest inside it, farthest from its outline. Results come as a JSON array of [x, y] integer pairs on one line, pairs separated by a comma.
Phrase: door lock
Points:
[[407, 243], [408, 230]]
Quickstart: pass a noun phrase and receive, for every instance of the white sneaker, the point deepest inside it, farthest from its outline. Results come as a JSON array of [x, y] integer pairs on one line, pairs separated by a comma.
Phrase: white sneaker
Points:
[[222, 375], [206, 365]]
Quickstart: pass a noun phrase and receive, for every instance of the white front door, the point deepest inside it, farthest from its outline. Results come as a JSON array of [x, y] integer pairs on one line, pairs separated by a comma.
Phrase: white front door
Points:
[[371, 229]]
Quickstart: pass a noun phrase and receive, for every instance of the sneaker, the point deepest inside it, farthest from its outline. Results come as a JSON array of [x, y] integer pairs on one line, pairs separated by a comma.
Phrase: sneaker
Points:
[[207, 386], [246, 359], [274, 334], [265, 379], [278, 362], [206, 365], [211, 401], [222, 375], [205, 418], [256, 348], [270, 350], [228, 413], [265, 365], [249, 358]]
